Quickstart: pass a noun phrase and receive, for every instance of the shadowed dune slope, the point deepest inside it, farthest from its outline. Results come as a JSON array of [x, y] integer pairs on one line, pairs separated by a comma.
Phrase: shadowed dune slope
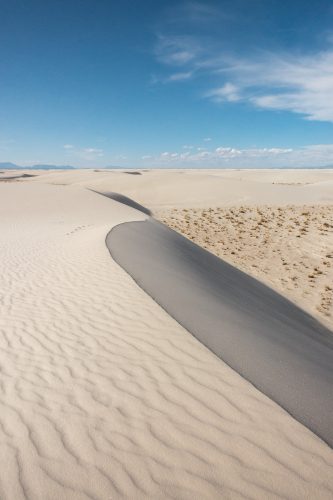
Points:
[[125, 200], [274, 344]]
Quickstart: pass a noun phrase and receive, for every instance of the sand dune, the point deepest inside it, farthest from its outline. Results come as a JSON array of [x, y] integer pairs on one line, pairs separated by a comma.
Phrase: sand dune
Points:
[[273, 224], [158, 189], [102, 394], [275, 345]]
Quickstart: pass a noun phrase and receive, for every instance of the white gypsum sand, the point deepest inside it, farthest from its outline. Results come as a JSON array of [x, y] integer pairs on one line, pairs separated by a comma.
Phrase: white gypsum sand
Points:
[[104, 395], [275, 224], [203, 188]]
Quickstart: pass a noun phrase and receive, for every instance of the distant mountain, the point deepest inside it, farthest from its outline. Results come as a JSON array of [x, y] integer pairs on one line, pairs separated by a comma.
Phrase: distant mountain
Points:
[[51, 167], [12, 166], [8, 165]]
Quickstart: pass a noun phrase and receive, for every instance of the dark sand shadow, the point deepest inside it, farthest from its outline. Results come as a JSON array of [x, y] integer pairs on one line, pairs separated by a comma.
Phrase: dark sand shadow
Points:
[[124, 200], [278, 347], [15, 177]]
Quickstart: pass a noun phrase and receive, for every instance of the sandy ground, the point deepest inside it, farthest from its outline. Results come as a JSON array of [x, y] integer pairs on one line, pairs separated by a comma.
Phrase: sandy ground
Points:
[[102, 394], [159, 189], [290, 248], [276, 225]]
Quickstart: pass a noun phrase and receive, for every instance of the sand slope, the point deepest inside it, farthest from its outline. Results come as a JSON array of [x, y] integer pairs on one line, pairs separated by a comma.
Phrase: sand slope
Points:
[[283, 351], [103, 395]]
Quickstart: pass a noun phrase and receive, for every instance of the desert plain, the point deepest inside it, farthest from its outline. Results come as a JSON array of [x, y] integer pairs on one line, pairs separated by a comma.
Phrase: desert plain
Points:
[[102, 393]]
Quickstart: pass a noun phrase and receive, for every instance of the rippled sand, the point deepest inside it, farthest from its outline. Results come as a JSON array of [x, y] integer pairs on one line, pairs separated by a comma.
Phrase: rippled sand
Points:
[[103, 395]]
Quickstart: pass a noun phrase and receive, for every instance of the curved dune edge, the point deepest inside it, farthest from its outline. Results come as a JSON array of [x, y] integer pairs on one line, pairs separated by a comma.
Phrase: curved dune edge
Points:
[[278, 347], [104, 395]]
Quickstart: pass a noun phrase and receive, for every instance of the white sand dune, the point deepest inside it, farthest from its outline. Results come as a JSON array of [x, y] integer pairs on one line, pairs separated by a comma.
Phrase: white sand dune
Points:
[[285, 251], [159, 189], [255, 219], [275, 345], [102, 394]]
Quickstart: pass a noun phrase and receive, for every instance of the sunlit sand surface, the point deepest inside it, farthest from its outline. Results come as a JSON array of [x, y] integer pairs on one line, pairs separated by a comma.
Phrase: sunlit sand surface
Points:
[[102, 393]]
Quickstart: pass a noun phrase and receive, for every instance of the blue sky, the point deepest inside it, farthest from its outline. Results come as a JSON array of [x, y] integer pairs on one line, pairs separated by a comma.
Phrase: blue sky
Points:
[[167, 83]]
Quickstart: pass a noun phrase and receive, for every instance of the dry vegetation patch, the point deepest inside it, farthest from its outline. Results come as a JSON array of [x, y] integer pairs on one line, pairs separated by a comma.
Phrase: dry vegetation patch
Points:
[[290, 248]]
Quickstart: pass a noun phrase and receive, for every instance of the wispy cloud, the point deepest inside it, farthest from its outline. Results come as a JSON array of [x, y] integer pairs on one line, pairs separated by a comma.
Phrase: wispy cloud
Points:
[[224, 156], [93, 151], [299, 82], [178, 77], [177, 50], [228, 92], [87, 153]]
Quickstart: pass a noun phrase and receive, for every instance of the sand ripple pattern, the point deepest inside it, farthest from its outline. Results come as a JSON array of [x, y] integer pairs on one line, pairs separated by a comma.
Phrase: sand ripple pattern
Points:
[[104, 396]]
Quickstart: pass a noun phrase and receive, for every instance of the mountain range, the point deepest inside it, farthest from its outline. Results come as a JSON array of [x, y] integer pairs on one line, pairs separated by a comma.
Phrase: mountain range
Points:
[[13, 166]]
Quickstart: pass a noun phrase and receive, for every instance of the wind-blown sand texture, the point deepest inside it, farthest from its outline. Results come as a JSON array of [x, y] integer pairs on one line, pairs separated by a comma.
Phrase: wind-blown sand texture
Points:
[[102, 394]]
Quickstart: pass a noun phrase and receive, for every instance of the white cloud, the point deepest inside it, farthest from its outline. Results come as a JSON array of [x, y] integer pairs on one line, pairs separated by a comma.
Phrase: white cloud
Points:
[[178, 77], [93, 150], [89, 154], [177, 50], [207, 139], [228, 92], [299, 83], [224, 156], [223, 152]]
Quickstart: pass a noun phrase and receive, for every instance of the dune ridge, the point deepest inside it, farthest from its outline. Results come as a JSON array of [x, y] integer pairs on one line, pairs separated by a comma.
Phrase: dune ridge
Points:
[[103, 395], [275, 345]]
